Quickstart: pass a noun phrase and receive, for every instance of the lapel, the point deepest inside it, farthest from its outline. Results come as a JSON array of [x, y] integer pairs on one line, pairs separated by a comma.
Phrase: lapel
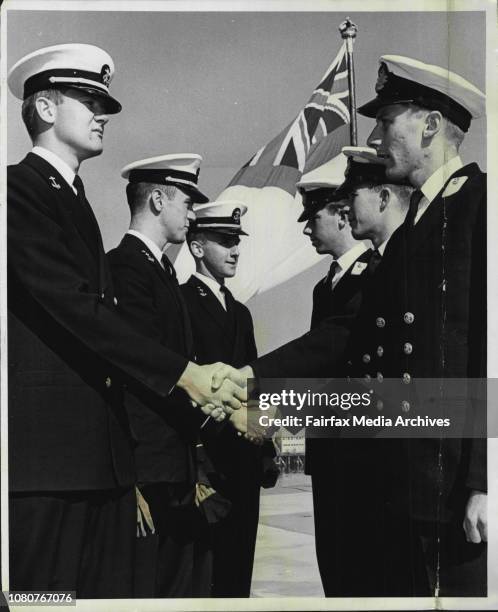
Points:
[[433, 218], [69, 208], [208, 301], [235, 323], [170, 284], [349, 283]]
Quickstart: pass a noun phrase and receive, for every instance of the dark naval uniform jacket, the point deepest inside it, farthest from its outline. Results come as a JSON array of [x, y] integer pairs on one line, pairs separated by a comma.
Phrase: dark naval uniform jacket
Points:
[[319, 352], [241, 467], [226, 336], [426, 319], [69, 351], [337, 306], [151, 301]]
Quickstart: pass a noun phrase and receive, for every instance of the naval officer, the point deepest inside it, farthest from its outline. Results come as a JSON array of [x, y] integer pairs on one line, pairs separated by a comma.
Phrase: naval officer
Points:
[[161, 191], [347, 486], [427, 318], [223, 331], [72, 503]]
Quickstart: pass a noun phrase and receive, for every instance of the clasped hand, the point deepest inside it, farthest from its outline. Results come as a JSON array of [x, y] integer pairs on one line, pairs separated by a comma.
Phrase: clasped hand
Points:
[[218, 389]]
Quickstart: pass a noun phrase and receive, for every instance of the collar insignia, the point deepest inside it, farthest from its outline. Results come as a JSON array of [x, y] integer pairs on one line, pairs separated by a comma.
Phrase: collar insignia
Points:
[[53, 182], [202, 292], [454, 186], [358, 268], [148, 255]]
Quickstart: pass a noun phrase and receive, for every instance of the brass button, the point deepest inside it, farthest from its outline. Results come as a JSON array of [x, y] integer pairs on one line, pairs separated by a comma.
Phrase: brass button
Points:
[[108, 382], [350, 363], [405, 406], [115, 300], [366, 358], [409, 317], [102, 297], [380, 376], [407, 378], [380, 351], [380, 405], [407, 348], [380, 322]]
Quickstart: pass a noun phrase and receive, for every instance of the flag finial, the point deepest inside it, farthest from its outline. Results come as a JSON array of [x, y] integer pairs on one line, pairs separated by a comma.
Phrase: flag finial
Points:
[[348, 29]]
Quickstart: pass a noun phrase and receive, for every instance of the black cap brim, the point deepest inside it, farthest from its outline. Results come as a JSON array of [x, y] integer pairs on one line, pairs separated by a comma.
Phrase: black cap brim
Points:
[[232, 231], [371, 108], [304, 216], [111, 105], [197, 196]]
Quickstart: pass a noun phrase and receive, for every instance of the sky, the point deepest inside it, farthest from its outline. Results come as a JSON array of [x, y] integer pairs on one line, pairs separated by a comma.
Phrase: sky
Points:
[[223, 84]]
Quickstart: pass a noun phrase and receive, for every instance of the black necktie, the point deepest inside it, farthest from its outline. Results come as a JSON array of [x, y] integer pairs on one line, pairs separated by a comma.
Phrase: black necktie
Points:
[[168, 266], [415, 198], [228, 297], [373, 262], [334, 268], [87, 219], [171, 272]]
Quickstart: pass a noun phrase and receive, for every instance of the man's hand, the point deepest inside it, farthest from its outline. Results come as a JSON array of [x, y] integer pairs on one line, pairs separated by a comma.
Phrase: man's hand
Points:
[[224, 372], [247, 426], [197, 381], [144, 517], [475, 523]]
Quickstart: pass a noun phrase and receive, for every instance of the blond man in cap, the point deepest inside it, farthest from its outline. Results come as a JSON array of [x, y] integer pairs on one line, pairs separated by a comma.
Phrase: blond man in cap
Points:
[[429, 315], [72, 502], [223, 331], [161, 193]]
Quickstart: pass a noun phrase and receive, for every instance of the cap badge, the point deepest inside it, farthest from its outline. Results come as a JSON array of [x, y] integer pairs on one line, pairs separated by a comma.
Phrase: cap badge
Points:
[[148, 255], [53, 182], [236, 215], [105, 74], [382, 76]]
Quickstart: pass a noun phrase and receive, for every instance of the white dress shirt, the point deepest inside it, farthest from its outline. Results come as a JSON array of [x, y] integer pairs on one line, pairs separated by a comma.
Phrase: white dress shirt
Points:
[[60, 165], [214, 286], [436, 182]]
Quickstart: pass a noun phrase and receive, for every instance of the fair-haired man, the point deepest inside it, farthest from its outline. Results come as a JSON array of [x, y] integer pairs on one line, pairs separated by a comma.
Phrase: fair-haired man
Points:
[[428, 315], [161, 192], [71, 468], [346, 487], [223, 331]]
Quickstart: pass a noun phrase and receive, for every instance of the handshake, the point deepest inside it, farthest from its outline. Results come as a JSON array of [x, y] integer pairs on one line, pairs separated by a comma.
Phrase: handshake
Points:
[[219, 390]]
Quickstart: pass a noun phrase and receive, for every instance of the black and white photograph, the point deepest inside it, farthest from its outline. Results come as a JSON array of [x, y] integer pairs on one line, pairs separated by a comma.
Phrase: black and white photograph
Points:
[[204, 201]]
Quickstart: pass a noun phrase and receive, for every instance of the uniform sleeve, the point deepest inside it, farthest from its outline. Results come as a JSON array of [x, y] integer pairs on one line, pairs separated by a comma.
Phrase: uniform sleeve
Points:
[[477, 467], [59, 286], [315, 354]]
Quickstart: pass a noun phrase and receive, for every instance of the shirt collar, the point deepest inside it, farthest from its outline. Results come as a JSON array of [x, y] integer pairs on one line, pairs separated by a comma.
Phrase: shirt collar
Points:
[[382, 247], [346, 260], [438, 179], [150, 244], [59, 164]]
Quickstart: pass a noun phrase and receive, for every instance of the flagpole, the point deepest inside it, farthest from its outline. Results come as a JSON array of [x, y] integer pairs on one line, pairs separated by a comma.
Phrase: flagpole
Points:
[[348, 32]]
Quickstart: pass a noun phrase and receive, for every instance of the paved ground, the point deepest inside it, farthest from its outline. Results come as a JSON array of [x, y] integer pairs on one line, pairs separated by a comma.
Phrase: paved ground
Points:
[[285, 564]]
